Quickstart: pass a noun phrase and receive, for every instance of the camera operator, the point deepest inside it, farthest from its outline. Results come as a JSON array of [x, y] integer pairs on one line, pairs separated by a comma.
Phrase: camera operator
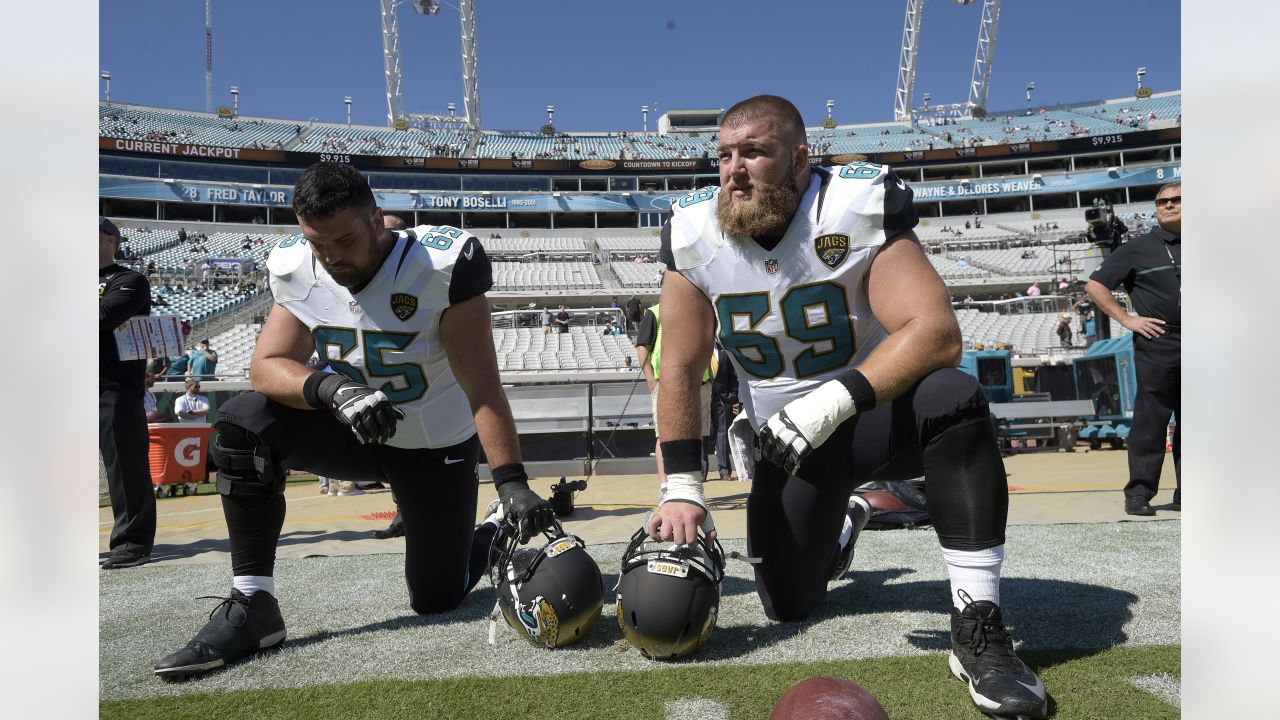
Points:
[[1150, 268]]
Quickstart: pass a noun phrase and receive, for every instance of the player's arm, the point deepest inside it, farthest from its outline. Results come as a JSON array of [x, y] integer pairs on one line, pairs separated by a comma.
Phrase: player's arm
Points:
[[278, 369], [911, 302], [688, 323], [468, 342]]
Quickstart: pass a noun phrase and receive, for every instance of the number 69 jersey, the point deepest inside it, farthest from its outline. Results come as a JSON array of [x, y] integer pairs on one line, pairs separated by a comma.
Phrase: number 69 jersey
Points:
[[795, 314], [387, 335]]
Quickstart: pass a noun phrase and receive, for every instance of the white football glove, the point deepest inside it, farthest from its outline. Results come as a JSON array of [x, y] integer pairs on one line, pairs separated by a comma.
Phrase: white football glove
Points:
[[788, 437]]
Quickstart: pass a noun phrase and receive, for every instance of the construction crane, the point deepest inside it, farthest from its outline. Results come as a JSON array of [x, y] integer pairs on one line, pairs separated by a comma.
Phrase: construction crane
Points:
[[396, 116], [976, 106]]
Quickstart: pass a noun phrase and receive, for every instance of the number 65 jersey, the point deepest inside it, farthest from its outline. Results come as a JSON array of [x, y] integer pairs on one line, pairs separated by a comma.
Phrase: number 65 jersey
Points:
[[387, 335], [794, 314]]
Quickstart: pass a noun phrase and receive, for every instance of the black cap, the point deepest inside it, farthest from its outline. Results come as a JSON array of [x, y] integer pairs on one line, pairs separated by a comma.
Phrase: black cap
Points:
[[108, 227]]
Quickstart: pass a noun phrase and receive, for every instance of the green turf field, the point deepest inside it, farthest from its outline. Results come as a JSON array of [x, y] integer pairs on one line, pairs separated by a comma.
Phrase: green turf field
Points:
[[1082, 684], [1095, 609]]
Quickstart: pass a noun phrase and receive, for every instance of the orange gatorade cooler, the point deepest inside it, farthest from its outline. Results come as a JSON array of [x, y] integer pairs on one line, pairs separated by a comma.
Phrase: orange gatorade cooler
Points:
[[178, 454]]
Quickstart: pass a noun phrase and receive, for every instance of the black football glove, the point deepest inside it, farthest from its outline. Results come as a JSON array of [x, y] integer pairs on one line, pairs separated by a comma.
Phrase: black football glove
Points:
[[525, 509], [368, 412]]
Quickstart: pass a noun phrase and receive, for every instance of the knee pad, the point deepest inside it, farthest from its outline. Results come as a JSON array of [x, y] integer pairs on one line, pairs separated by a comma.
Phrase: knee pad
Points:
[[246, 466]]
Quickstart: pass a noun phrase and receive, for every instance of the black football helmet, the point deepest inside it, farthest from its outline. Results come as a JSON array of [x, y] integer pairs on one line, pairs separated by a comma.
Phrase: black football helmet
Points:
[[668, 598], [550, 595]]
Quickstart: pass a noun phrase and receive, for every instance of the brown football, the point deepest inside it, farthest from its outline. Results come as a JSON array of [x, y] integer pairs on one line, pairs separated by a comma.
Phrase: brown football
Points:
[[827, 698]]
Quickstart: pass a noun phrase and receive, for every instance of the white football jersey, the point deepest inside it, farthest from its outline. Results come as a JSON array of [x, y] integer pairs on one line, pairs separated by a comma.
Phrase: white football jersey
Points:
[[793, 317], [388, 334]]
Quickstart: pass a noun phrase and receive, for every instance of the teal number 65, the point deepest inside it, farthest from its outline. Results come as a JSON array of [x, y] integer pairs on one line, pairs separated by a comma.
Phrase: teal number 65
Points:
[[376, 342]]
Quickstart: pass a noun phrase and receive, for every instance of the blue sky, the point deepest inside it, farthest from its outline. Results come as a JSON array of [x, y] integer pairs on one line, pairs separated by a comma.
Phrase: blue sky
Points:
[[599, 61]]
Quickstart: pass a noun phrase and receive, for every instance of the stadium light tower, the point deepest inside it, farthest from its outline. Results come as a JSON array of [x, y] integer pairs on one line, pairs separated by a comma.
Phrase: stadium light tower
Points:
[[453, 110], [551, 113], [644, 114], [1141, 72], [208, 55], [1030, 86], [830, 104], [106, 75], [235, 101], [347, 101], [391, 61]]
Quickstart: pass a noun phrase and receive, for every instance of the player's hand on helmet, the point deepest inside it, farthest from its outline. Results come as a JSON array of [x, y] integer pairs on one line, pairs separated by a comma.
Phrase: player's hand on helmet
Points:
[[682, 509], [678, 522], [368, 412], [791, 434], [525, 509]]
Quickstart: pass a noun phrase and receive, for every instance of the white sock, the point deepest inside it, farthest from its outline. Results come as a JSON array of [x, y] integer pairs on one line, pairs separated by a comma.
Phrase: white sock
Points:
[[976, 572], [250, 584]]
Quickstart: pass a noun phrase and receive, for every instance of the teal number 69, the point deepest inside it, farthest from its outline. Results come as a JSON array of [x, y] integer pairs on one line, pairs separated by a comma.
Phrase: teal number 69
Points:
[[817, 315]]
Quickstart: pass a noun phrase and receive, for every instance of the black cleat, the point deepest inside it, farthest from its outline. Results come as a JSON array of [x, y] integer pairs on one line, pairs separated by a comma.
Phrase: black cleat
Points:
[[1138, 506], [237, 627], [859, 513], [982, 656]]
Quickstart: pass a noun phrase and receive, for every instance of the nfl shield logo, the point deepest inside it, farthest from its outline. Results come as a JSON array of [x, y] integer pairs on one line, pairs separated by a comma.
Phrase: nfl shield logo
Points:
[[403, 305], [771, 266], [354, 307], [831, 249]]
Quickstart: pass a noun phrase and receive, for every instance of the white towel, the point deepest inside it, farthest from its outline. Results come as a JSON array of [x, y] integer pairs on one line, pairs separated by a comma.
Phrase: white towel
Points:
[[742, 447]]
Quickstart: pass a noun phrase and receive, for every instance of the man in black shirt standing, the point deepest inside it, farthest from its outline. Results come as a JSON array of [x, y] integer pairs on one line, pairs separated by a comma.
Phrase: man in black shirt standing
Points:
[[122, 423], [1150, 268]]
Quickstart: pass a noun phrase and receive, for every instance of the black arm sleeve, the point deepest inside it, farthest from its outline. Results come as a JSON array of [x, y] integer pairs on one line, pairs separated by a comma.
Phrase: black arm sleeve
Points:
[[127, 294], [647, 335], [472, 274], [899, 211]]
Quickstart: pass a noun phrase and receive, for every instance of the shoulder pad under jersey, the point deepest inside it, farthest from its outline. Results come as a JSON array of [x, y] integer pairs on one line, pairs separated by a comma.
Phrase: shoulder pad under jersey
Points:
[[695, 232], [292, 268]]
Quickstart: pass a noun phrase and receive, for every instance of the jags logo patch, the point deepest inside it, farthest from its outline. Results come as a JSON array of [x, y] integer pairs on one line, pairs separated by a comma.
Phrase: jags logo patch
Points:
[[404, 305], [831, 249]]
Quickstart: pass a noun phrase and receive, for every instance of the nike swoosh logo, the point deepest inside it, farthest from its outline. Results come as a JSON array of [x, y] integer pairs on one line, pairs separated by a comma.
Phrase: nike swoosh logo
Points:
[[901, 185], [1037, 688], [450, 461], [470, 251]]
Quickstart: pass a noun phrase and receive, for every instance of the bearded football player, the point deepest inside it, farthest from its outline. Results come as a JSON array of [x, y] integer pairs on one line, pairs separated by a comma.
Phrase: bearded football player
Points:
[[845, 345]]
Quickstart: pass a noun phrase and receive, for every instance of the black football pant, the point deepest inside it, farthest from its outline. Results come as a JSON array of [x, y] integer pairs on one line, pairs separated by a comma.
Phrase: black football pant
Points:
[[122, 438], [437, 499], [1158, 366], [940, 429]]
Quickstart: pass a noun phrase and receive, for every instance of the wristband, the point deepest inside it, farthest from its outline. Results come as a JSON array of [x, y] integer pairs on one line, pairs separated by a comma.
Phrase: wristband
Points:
[[684, 486], [679, 456], [511, 472], [311, 389], [859, 388]]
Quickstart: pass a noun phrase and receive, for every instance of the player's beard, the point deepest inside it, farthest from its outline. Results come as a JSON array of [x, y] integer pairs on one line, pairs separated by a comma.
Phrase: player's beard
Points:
[[766, 214]]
